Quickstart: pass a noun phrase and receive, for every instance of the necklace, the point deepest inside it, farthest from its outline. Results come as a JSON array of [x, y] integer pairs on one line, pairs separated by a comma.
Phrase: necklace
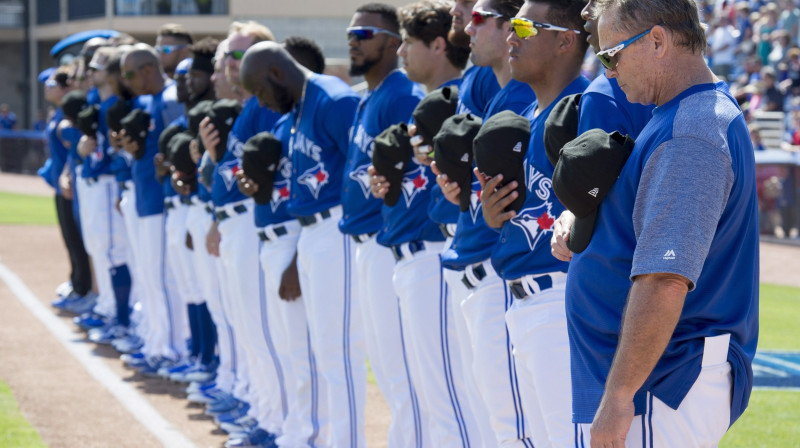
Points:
[[300, 111]]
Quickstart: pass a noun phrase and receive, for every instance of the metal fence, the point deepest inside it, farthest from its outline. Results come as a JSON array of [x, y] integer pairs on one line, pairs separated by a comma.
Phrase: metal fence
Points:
[[22, 152]]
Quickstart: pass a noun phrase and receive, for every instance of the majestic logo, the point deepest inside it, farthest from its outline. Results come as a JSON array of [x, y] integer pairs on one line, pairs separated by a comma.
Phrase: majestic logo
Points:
[[593, 192], [535, 222], [314, 178], [228, 172], [280, 194], [465, 158], [669, 255], [414, 182], [361, 177], [475, 201], [518, 147]]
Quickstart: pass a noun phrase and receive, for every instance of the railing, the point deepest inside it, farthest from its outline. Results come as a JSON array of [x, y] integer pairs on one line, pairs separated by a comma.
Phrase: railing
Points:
[[11, 15], [170, 7], [22, 151]]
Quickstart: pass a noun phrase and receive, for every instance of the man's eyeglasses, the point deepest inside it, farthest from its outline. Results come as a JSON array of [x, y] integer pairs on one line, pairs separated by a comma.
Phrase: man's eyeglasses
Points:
[[367, 32], [167, 49], [608, 57], [479, 17], [237, 55], [525, 28]]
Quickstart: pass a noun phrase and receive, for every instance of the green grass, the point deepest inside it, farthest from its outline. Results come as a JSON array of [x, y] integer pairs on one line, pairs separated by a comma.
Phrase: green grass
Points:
[[15, 431], [27, 209], [771, 419]]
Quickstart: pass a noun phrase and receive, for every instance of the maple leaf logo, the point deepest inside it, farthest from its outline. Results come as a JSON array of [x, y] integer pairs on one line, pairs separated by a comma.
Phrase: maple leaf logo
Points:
[[534, 228], [413, 183], [545, 221]]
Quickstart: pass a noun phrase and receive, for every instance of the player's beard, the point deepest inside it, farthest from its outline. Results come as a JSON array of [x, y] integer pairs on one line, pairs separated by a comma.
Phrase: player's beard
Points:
[[364, 67], [458, 38], [282, 98]]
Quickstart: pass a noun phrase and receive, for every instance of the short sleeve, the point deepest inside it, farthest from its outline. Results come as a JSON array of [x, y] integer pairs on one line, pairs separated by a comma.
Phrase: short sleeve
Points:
[[339, 120], [600, 111]]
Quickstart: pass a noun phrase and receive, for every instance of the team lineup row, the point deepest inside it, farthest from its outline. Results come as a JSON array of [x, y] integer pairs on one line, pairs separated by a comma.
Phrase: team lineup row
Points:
[[507, 245]]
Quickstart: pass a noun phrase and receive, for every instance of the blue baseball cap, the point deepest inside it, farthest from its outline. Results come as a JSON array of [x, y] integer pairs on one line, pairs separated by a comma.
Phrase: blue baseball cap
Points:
[[46, 74], [183, 67]]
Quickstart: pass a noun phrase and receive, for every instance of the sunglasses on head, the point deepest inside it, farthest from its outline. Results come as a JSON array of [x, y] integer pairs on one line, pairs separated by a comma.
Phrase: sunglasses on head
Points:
[[367, 32], [237, 55], [525, 28], [479, 17], [608, 57], [167, 49]]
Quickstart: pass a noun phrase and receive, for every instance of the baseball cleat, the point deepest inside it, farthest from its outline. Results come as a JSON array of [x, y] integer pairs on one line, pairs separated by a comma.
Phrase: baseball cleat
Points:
[[256, 438]]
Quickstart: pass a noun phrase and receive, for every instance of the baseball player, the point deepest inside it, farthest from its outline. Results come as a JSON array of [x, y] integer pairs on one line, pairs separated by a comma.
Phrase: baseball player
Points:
[[172, 44], [373, 37], [536, 320], [666, 358], [325, 108], [144, 77], [305, 404]]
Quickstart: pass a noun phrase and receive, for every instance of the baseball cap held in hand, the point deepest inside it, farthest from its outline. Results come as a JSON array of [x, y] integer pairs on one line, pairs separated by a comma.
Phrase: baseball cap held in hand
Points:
[[116, 113], [585, 172], [137, 125], [500, 147], [391, 154], [561, 126], [165, 139], [452, 148], [180, 157], [222, 115], [87, 120], [260, 159], [433, 110]]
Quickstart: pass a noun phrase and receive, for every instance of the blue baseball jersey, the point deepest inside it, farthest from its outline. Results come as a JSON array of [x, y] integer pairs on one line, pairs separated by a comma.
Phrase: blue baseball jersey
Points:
[[392, 102], [252, 120], [275, 212], [169, 190], [524, 246], [57, 153], [163, 108], [604, 106], [121, 166], [474, 240], [98, 162], [93, 96], [319, 144], [685, 203]]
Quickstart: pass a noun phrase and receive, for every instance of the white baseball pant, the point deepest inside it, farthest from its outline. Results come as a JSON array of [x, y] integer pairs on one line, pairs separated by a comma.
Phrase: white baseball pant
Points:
[[241, 372], [305, 406], [183, 262], [239, 254], [198, 220], [324, 262], [127, 206], [700, 421], [537, 326], [385, 345], [435, 359]]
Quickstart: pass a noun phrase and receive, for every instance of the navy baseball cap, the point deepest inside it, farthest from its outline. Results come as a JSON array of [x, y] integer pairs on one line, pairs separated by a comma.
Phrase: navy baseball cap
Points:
[[260, 160], [165, 139], [561, 126], [222, 115], [73, 103], [116, 113], [137, 125], [87, 121], [390, 156], [452, 148], [433, 110], [180, 157]]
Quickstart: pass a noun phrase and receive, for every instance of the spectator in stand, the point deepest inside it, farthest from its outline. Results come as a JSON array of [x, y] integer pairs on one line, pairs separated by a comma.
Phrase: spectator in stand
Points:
[[755, 137], [792, 135], [8, 120], [780, 45], [763, 31], [773, 97], [723, 48], [789, 20], [743, 23]]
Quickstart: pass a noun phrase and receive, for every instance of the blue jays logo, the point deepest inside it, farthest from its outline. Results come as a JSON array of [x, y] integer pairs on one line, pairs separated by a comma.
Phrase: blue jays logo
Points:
[[535, 222], [413, 182], [228, 171], [475, 201], [361, 177], [280, 194], [314, 178], [99, 152]]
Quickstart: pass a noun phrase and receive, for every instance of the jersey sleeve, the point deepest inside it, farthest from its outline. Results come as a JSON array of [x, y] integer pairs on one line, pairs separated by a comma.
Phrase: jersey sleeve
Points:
[[339, 120], [682, 193], [402, 108], [598, 111]]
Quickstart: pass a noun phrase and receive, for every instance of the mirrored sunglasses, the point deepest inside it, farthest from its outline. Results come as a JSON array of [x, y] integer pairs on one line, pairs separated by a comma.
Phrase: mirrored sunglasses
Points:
[[167, 49], [479, 17], [525, 28], [237, 55], [367, 32], [609, 57]]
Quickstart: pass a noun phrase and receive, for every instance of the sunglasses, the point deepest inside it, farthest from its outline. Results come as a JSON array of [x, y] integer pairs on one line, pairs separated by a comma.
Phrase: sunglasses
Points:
[[97, 67], [479, 17], [367, 32], [237, 55], [608, 57], [525, 28], [167, 49]]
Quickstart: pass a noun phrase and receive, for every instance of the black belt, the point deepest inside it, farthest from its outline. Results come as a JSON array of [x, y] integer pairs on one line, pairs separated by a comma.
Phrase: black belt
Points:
[[169, 205], [413, 247], [446, 231], [90, 180], [306, 221], [518, 289], [222, 215], [210, 209], [364, 237], [279, 231], [478, 274], [186, 201]]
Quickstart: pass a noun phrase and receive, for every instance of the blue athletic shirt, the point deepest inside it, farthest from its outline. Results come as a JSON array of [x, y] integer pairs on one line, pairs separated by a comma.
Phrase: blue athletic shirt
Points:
[[319, 145], [58, 153], [525, 239], [408, 220], [684, 203], [252, 120], [163, 108], [604, 106], [474, 240], [275, 212], [169, 190], [98, 162], [392, 102], [477, 89]]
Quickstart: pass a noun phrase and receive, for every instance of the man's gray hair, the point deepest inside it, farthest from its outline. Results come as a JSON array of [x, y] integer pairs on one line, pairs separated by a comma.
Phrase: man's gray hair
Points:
[[679, 16]]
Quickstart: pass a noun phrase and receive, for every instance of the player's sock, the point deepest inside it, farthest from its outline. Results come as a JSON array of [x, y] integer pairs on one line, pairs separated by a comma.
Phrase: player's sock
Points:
[[208, 333], [121, 282], [194, 329]]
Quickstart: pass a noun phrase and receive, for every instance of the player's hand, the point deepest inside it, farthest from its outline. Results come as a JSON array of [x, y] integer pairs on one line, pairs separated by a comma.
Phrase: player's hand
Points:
[[194, 151], [86, 145], [65, 182], [494, 201], [162, 165], [213, 239], [422, 150], [450, 189], [181, 187], [115, 140], [130, 146], [210, 137], [612, 422], [290, 282], [377, 183], [247, 186], [558, 242], [189, 242]]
